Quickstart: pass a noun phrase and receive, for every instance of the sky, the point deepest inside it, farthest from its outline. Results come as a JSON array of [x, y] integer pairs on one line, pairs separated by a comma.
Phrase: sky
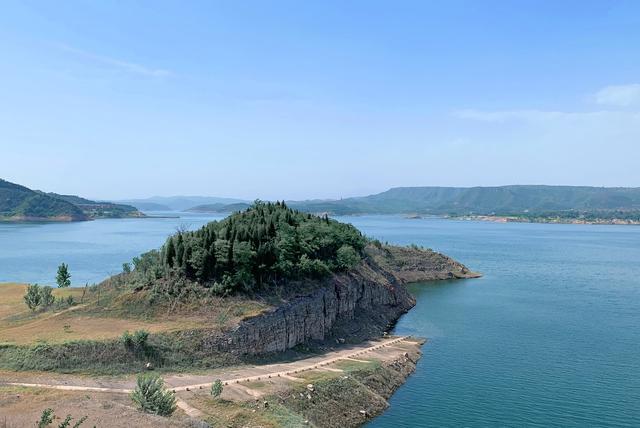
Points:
[[327, 99]]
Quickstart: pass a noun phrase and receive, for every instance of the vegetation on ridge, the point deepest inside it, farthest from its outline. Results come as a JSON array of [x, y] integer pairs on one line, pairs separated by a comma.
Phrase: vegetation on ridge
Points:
[[19, 203], [498, 200], [268, 243]]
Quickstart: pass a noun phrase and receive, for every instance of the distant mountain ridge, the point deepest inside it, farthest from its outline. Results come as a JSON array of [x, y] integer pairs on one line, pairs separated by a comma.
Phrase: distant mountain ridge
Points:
[[220, 208], [19, 203], [498, 200], [177, 203]]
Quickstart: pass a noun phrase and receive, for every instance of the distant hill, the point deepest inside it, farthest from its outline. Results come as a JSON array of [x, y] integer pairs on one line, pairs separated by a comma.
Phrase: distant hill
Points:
[[501, 200], [177, 203], [100, 209], [220, 208], [19, 203]]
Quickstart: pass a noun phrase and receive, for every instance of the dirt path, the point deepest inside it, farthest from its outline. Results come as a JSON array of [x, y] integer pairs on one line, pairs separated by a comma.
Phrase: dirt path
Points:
[[240, 377], [182, 382]]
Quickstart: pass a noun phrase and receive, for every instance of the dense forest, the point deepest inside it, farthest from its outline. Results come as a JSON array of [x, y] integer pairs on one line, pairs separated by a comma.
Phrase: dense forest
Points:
[[264, 244]]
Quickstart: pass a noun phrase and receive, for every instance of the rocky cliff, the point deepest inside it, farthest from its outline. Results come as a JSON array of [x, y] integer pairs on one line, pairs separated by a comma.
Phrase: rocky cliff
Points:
[[356, 305]]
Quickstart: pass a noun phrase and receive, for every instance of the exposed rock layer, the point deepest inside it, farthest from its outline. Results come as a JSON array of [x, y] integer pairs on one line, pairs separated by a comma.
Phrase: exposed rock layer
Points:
[[359, 304]]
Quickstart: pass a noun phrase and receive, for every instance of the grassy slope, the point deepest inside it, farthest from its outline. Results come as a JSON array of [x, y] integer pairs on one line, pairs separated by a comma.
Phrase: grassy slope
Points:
[[106, 316], [20, 202]]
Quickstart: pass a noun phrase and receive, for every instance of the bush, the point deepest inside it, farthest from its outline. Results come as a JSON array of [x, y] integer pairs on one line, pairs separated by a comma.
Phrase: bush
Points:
[[33, 296], [46, 296], [313, 268], [347, 257], [152, 397], [140, 339], [136, 342], [127, 340], [216, 388], [47, 417]]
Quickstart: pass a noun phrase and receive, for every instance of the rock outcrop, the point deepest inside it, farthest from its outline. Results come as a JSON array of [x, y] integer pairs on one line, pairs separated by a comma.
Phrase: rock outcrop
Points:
[[360, 304]]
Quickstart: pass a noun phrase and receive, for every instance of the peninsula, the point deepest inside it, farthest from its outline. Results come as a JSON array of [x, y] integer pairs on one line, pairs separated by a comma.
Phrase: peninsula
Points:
[[256, 295], [21, 204]]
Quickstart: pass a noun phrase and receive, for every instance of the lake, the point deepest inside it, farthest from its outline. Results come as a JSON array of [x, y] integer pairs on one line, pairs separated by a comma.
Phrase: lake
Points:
[[550, 336]]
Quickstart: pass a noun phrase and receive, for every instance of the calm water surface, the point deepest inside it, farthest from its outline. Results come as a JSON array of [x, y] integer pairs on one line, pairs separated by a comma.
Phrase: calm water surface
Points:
[[549, 337], [93, 250]]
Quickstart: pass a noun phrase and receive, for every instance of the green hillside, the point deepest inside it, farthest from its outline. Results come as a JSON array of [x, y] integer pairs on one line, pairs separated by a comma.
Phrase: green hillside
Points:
[[19, 203], [98, 209], [502, 200], [265, 244]]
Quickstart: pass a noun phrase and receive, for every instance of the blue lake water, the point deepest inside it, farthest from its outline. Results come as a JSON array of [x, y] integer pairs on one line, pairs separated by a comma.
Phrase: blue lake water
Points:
[[549, 337], [94, 250]]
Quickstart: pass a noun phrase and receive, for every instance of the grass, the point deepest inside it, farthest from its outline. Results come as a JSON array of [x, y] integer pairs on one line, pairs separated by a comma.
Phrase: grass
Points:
[[246, 414], [352, 366], [106, 318], [19, 325], [12, 304]]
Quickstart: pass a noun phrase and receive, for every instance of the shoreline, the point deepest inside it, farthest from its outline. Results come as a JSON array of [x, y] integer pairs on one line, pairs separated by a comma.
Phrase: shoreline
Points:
[[545, 220]]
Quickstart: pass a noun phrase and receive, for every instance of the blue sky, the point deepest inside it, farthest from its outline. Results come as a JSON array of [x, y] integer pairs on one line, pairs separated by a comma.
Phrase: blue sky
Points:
[[119, 99]]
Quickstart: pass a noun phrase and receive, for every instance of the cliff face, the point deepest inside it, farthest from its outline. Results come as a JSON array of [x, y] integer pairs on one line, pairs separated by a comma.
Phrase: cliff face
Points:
[[360, 304]]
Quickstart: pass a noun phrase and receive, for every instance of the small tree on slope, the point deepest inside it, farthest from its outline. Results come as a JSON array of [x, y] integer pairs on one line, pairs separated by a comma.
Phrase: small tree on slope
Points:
[[63, 278], [216, 388], [151, 396], [33, 297]]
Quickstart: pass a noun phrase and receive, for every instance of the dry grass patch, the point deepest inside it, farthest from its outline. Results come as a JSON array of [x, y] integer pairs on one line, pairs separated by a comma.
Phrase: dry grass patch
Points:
[[12, 300], [22, 407], [69, 327], [223, 413], [19, 325]]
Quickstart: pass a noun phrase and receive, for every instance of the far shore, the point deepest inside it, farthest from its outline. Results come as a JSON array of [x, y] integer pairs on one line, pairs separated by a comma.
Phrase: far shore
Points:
[[546, 220]]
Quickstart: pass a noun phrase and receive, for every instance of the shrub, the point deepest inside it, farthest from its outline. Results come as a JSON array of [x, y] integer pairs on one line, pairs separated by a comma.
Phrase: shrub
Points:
[[347, 257], [140, 339], [216, 388], [152, 397], [46, 296], [312, 267], [136, 342], [47, 417], [127, 340], [33, 296]]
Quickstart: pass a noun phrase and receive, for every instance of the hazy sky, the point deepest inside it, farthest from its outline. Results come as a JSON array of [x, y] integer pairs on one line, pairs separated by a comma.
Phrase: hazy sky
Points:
[[301, 99]]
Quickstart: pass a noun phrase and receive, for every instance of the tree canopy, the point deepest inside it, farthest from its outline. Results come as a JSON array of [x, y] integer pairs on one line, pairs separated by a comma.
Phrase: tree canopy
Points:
[[266, 243]]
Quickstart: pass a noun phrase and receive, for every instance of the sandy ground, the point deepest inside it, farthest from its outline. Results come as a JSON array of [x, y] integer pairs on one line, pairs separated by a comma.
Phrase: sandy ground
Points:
[[23, 395]]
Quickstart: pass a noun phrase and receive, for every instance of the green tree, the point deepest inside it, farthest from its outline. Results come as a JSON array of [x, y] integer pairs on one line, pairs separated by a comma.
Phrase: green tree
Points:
[[33, 296], [46, 296], [216, 388], [126, 267], [63, 278], [151, 396]]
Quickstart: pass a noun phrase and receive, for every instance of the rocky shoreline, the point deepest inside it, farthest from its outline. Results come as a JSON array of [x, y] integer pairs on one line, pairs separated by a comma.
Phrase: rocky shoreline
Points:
[[355, 306]]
